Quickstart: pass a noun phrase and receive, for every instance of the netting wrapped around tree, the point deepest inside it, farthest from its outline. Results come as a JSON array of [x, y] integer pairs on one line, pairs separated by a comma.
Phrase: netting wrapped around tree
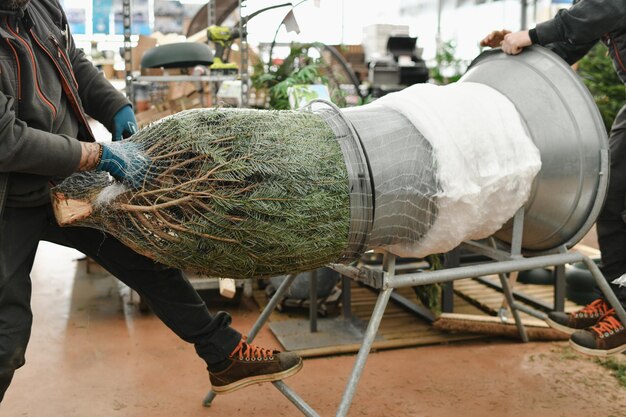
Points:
[[229, 193]]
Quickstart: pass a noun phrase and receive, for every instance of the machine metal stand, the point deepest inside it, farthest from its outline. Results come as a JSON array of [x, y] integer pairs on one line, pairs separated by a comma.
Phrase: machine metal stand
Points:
[[504, 262], [387, 281]]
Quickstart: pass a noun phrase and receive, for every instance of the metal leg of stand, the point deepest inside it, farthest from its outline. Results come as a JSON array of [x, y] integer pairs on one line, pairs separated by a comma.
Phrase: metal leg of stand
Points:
[[346, 297], [271, 305], [451, 259], [208, 398], [605, 288], [447, 297], [509, 299], [313, 302], [295, 399], [370, 334], [559, 288], [260, 322]]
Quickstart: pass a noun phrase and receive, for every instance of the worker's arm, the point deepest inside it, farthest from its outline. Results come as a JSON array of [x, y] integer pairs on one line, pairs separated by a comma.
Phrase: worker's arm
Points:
[[571, 53], [33, 151], [90, 157], [514, 43], [570, 34], [99, 98], [583, 23]]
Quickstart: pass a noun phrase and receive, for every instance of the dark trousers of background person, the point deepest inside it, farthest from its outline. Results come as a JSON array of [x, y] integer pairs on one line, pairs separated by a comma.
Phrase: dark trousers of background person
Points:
[[611, 224], [167, 291]]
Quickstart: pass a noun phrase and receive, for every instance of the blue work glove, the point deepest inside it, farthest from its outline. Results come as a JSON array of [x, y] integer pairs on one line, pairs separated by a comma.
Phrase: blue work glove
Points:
[[125, 162], [124, 123]]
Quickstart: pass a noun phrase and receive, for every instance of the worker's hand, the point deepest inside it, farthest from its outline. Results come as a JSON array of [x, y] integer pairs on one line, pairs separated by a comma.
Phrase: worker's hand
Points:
[[495, 38], [125, 162], [124, 123], [515, 42]]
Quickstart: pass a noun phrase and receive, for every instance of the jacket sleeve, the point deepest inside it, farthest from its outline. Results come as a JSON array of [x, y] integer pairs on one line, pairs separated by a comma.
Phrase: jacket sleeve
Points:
[[584, 22], [571, 53], [99, 98], [33, 151]]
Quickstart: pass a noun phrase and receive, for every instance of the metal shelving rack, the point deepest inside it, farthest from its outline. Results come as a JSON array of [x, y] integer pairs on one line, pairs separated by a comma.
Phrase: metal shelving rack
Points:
[[128, 56], [243, 48], [213, 79]]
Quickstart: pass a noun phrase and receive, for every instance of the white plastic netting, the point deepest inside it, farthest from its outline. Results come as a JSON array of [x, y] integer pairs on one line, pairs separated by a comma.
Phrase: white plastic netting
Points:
[[484, 161]]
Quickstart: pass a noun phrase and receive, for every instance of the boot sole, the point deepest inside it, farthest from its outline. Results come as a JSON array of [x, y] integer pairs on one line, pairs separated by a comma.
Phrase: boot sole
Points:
[[597, 352], [560, 327], [242, 383]]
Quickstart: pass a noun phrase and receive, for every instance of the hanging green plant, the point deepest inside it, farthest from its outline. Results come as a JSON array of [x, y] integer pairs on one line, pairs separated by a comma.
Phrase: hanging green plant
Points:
[[306, 64], [430, 295], [448, 68]]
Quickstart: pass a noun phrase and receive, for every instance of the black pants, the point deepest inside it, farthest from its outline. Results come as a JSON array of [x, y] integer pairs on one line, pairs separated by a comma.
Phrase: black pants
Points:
[[611, 224], [166, 290]]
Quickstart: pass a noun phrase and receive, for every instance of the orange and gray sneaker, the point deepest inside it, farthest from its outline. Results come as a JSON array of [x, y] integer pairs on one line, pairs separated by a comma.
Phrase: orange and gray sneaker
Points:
[[607, 337], [578, 320], [251, 364]]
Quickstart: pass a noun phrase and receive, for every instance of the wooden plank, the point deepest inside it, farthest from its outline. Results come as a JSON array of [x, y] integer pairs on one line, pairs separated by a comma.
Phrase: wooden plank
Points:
[[530, 321], [587, 250], [388, 344]]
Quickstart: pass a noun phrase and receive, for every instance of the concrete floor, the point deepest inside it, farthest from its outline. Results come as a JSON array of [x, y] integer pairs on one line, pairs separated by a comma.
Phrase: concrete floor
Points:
[[93, 355]]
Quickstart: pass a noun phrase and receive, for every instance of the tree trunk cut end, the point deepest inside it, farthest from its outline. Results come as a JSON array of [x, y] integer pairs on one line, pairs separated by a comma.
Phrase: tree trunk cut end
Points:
[[69, 211]]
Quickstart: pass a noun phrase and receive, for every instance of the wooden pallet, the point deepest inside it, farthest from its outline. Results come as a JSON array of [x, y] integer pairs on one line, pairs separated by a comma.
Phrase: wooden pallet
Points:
[[489, 300], [398, 328]]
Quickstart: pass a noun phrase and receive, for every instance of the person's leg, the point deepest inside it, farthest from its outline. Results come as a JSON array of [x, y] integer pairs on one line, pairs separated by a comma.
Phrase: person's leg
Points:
[[611, 230], [608, 336], [611, 223], [19, 236], [166, 290], [232, 363]]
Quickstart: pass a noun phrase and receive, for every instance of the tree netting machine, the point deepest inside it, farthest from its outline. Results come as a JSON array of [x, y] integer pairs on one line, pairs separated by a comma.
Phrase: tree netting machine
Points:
[[560, 117]]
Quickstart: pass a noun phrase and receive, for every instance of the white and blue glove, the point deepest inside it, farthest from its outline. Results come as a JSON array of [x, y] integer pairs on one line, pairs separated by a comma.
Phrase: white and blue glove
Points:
[[124, 123], [125, 162]]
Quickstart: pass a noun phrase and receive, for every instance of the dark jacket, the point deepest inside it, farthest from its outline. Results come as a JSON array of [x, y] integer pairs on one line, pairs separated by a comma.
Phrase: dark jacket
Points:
[[47, 89], [574, 31]]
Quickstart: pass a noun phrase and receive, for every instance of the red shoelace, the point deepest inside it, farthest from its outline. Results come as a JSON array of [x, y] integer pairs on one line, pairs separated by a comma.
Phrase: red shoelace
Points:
[[250, 352], [598, 306], [608, 325]]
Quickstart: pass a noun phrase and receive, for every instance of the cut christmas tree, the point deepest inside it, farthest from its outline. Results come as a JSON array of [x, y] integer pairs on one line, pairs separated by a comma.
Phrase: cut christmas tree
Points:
[[242, 193]]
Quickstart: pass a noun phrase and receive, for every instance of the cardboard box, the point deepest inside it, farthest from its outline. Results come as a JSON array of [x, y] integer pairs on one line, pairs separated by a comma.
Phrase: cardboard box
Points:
[[143, 44]]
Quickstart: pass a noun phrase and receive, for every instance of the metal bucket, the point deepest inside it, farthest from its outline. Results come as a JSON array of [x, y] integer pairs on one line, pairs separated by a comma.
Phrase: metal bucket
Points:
[[565, 125]]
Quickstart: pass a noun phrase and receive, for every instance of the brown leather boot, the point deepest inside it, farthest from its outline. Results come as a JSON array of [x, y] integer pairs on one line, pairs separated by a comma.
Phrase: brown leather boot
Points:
[[606, 338], [251, 364], [578, 320]]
